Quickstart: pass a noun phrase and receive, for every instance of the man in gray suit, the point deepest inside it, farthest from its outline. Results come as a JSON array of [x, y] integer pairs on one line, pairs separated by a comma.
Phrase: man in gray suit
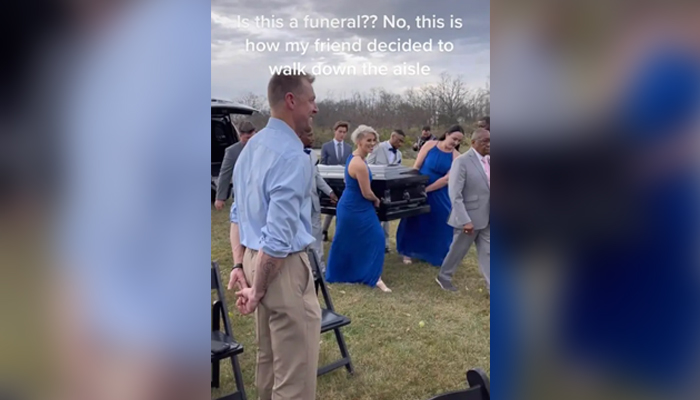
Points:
[[317, 184], [335, 152], [470, 194], [388, 153], [246, 131]]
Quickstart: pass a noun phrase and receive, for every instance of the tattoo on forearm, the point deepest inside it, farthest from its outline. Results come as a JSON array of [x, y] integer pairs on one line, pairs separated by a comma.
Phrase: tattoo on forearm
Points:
[[268, 269]]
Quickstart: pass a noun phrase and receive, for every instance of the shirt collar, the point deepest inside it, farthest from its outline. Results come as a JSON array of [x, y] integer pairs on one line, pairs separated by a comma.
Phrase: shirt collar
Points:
[[478, 156], [278, 124], [336, 141]]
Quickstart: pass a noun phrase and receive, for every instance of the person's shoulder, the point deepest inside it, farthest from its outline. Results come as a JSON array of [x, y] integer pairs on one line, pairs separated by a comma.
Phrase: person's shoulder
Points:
[[430, 144], [294, 156], [355, 162], [291, 163], [462, 157], [237, 146], [313, 156]]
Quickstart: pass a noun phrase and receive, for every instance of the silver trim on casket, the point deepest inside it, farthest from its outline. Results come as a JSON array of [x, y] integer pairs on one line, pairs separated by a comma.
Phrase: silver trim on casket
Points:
[[331, 171], [380, 172]]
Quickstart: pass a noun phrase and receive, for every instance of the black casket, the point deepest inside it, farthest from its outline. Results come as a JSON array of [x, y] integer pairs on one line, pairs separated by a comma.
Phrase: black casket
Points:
[[400, 189]]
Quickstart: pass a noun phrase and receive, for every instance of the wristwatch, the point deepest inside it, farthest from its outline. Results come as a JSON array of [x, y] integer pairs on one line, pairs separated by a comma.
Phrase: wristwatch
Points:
[[239, 265]]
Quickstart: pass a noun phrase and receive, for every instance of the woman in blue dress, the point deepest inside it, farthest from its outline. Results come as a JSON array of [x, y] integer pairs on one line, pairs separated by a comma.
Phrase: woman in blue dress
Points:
[[357, 251], [427, 237]]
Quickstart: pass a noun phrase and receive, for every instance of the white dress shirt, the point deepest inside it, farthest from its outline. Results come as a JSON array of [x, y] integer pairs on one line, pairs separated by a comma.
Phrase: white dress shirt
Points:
[[392, 155]]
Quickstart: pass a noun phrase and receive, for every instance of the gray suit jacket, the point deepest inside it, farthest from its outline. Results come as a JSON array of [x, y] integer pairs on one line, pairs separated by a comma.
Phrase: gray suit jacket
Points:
[[470, 193], [328, 156], [380, 155], [226, 171], [317, 184]]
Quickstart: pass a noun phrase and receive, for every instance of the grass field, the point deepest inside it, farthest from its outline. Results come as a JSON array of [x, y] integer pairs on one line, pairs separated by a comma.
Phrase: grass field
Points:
[[394, 357]]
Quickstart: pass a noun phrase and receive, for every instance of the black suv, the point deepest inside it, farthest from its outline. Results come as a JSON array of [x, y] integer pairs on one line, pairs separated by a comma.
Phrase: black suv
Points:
[[223, 134]]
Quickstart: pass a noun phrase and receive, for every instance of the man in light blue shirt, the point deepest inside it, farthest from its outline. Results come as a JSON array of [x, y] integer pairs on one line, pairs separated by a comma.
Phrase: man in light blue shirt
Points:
[[270, 232]]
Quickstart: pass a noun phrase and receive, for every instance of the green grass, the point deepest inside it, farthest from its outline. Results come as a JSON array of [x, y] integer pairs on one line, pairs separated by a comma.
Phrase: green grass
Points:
[[394, 357]]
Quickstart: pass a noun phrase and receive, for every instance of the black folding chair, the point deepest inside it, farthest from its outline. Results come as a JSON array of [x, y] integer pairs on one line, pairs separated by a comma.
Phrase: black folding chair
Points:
[[223, 345], [479, 388], [330, 320]]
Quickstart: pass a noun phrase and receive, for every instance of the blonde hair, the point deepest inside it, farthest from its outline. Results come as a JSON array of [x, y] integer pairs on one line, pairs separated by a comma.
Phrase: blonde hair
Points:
[[361, 132]]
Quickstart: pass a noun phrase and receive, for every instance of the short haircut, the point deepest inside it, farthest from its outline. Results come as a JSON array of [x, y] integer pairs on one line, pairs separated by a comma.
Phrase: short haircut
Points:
[[246, 127], [399, 131], [361, 132], [280, 84], [479, 131], [426, 128], [339, 124]]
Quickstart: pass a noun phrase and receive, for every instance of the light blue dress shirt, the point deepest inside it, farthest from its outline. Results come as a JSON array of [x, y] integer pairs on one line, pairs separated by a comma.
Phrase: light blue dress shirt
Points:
[[272, 184]]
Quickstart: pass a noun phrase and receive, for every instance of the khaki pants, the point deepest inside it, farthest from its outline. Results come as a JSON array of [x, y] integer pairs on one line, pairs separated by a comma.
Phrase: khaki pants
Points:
[[288, 330]]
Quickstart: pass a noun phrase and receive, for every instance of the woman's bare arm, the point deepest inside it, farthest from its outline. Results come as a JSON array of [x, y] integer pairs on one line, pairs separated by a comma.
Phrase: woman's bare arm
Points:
[[358, 170], [442, 182], [423, 152]]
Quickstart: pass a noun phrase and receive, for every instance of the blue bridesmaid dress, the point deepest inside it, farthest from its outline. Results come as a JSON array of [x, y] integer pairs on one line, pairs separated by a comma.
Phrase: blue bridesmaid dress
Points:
[[357, 251], [427, 237]]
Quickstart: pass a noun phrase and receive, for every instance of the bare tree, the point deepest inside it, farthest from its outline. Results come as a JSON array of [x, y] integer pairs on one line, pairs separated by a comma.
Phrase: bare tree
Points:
[[441, 104]]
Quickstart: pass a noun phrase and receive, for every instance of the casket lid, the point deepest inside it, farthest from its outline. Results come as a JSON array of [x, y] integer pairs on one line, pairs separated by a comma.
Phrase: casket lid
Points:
[[379, 172], [391, 172], [331, 171]]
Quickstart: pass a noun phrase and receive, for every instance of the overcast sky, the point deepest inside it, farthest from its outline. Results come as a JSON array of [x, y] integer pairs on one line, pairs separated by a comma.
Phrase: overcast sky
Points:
[[235, 72]]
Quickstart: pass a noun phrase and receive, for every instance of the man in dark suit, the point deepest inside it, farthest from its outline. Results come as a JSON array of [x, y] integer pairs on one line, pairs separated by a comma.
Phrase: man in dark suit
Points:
[[335, 152], [246, 131]]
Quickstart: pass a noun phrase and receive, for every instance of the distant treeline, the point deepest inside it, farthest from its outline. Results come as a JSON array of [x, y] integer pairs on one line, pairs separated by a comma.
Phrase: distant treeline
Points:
[[439, 105]]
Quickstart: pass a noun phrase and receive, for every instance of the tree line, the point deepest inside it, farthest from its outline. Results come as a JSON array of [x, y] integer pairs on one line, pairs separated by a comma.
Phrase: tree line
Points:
[[440, 105]]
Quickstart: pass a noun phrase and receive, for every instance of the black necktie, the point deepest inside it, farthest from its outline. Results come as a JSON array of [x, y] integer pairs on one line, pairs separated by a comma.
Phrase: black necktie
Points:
[[393, 150]]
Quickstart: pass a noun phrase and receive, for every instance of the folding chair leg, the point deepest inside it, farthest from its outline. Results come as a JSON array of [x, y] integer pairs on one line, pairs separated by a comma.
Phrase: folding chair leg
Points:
[[344, 350], [215, 374], [238, 377]]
